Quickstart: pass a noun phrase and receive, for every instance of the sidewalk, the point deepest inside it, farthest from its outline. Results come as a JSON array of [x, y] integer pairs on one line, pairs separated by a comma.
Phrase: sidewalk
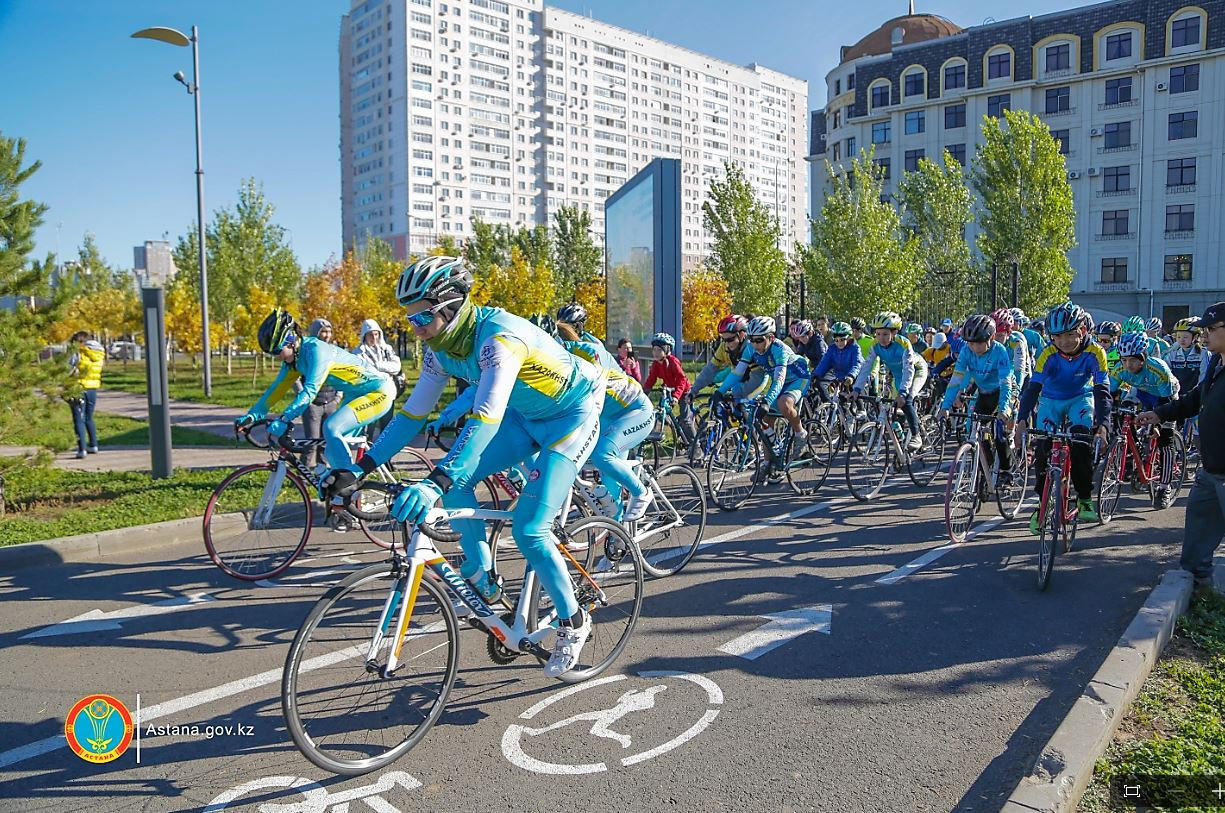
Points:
[[136, 458], [215, 419]]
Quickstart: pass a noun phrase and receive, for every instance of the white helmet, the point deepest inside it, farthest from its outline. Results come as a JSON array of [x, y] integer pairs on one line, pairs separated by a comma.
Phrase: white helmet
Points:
[[435, 279], [761, 325]]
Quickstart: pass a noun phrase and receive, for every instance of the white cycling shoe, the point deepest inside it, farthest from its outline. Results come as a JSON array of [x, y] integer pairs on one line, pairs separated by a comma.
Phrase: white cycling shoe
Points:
[[636, 507], [915, 443], [567, 647]]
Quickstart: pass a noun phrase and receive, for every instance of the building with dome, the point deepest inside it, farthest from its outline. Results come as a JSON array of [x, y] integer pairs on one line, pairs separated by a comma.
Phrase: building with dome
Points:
[[1133, 91]]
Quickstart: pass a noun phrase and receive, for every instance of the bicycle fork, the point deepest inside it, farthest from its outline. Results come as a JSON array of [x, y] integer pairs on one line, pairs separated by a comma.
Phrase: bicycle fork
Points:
[[267, 501]]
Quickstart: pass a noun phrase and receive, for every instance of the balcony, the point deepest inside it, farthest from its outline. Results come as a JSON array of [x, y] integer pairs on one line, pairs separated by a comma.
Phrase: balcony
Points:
[[1058, 74], [1122, 148], [1185, 234], [1176, 285], [1113, 105], [1050, 114], [1128, 236], [1115, 193], [1179, 190], [1101, 286]]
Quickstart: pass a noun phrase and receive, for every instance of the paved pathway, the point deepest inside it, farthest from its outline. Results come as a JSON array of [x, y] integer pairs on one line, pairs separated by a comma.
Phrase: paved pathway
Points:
[[216, 419], [136, 458]]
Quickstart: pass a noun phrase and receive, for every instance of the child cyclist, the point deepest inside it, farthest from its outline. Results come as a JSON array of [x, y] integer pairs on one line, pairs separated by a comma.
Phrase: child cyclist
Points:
[[667, 368], [988, 365], [908, 369], [1150, 382], [366, 394], [840, 363], [1070, 383], [732, 341], [1009, 335], [787, 374], [1107, 336]]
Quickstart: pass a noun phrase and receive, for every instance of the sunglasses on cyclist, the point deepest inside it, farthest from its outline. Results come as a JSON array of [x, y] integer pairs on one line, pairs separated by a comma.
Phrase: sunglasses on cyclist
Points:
[[730, 339], [425, 317], [758, 339]]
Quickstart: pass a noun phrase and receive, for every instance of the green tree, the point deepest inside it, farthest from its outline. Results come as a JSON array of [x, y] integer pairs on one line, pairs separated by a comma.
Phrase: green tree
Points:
[[447, 246], [29, 305], [1026, 210], [535, 246], [576, 257], [746, 251], [936, 208], [488, 246], [860, 261]]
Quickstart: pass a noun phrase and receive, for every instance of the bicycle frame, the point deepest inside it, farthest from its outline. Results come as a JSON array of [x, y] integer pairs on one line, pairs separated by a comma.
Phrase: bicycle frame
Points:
[[1144, 465], [1061, 458]]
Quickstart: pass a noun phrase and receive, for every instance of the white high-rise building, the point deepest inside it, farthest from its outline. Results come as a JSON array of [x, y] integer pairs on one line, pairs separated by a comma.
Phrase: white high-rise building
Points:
[[508, 111]]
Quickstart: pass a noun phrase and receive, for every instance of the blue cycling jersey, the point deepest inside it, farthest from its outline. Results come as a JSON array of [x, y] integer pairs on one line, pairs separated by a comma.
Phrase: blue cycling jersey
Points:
[[782, 366], [319, 364], [898, 356], [991, 372], [843, 362], [1154, 381], [1035, 341], [1059, 377]]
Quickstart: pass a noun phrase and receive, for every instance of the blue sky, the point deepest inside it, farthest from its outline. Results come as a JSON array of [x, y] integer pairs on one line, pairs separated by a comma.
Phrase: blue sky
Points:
[[115, 132]]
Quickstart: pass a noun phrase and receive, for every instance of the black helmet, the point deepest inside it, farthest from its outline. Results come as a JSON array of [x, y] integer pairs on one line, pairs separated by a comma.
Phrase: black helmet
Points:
[[858, 324], [572, 314], [978, 328], [274, 330]]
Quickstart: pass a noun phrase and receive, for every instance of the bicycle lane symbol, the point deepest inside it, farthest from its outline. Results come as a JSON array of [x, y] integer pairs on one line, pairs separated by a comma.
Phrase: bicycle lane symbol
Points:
[[316, 798], [606, 722]]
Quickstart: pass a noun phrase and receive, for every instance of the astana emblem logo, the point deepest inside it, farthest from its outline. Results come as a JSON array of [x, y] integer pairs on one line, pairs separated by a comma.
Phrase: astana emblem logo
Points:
[[99, 728]]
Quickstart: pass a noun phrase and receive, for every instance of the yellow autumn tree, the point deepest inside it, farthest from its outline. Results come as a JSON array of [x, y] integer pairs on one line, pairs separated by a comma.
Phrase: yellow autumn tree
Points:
[[705, 299], [591, 295], [183, 321], [251, 313], [516, 287], [333, 293], [106, 313]]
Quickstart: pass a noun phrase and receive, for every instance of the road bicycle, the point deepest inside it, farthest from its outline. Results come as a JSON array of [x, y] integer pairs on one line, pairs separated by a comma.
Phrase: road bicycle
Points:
[[258, 519], [878, 448], [372, 666], [974, 475], [1058, 513], [667, 437], [744, 454], [1127, 463]]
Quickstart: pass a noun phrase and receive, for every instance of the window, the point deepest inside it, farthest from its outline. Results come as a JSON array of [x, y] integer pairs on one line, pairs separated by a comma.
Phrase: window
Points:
[[1114, 269], [912, 159], [1118, 46], [954, 116], [1058, 57], [1116, 179], [1058, 100], [1184, 78], [958, 151], [954, 77], [884, 163], [1184, 125], [880, 96], [1114, 222], [999, 66], [850, 147], [1180, 217], [881, 132], [916, 122], [913, 84], [1062, 137], [837, 87], [996, 105], [1118, 134], [1184, 32], [1118, 91], [1177, 267], [850, 82], [1180, 172]]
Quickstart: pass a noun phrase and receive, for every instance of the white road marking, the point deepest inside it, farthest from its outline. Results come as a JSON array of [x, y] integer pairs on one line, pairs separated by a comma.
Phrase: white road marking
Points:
[[935, 553], [96, 620], [783, 627], [317, 799]]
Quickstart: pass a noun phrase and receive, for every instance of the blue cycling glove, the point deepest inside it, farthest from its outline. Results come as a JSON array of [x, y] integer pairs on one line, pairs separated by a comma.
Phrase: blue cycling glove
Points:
[[250, 417], [413, 503], [277, 428]]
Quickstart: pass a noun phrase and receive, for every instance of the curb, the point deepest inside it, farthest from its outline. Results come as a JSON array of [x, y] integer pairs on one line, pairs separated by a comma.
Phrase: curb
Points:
[[1065, 767], [100, 545]]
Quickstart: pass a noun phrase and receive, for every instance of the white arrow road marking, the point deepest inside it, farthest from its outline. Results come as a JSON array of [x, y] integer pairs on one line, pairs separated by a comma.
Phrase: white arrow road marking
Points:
[[96, 620], [935, 553], [782, 628], [317, 798]]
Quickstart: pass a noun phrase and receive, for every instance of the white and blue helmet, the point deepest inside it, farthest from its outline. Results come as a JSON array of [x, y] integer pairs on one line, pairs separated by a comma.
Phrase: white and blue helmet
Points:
[[436, 279]]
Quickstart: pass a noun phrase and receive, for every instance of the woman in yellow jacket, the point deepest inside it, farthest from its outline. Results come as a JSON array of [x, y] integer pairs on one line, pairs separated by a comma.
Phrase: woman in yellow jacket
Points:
[[87, 371]]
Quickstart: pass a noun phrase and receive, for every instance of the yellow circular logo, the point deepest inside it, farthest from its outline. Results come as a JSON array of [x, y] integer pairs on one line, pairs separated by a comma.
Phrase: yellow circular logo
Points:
[[99, 728]]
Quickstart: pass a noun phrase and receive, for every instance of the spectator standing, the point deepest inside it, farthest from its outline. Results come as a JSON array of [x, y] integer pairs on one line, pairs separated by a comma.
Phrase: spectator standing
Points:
[[1204, 525], [86, 361], [325, 402], [628, 360], [384, 359]]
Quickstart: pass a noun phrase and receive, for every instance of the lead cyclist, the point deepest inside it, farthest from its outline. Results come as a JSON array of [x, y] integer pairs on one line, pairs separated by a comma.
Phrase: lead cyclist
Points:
[[533, 400]]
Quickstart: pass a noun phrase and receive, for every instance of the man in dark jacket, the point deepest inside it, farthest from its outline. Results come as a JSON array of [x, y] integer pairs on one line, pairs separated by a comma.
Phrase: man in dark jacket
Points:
[[1204, 526]]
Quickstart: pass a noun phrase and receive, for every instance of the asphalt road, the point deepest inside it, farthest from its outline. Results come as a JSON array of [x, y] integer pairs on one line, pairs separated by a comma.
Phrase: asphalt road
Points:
[[932, 690]]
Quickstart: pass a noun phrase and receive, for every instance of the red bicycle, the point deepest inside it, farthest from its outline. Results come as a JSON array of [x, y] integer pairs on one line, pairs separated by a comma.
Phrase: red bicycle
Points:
[[1057, 512], [1135, 457]]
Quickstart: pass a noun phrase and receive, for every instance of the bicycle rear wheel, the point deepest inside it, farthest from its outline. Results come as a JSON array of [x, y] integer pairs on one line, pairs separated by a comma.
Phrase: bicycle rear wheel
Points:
[[611, 591], [732, 468], [665, 442], [809, 464], [674, 525], [257, 521], [341, 712], [1048, 531], [1010, 498], [1178, 477], [922, 466], [1109, 484], [961, 493], [868, 459]]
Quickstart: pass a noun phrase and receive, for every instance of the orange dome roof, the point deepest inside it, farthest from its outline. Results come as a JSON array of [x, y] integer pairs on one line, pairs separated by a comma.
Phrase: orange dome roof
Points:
[[914, 28]]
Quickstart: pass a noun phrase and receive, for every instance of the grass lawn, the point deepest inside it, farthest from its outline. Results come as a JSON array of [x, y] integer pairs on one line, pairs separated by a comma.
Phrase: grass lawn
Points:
[[46, 503], [1177, 724], [54, 431]]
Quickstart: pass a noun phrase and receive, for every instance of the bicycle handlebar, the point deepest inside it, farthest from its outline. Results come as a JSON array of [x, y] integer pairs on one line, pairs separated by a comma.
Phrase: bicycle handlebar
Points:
[[429, 527]]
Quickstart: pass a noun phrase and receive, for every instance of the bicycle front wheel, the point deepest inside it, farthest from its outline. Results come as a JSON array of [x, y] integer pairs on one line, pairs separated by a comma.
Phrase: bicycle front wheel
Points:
[[257, 521], [732, 468], [809, 464], [674, 525], [1048, 530], [343, 714], [1109, 484], [1178, 475], [923, 465], [1010, 498], [609, 587], [961, 493], [868, 459]]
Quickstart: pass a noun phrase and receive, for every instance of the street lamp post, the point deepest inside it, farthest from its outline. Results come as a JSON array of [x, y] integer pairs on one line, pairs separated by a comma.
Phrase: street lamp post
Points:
[[173, 36]]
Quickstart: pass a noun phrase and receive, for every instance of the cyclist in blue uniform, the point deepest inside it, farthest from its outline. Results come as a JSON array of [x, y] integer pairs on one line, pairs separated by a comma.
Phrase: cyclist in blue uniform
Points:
[[532, 400], [841, 361], [895, 353], [786, 373], [365, 393], [1150, 382], [1069, 384], [985, 363]]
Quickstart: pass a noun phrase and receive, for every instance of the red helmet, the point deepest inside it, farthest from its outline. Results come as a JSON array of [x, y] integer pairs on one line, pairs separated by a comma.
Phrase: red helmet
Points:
[[733, 324], [1004, 321]]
